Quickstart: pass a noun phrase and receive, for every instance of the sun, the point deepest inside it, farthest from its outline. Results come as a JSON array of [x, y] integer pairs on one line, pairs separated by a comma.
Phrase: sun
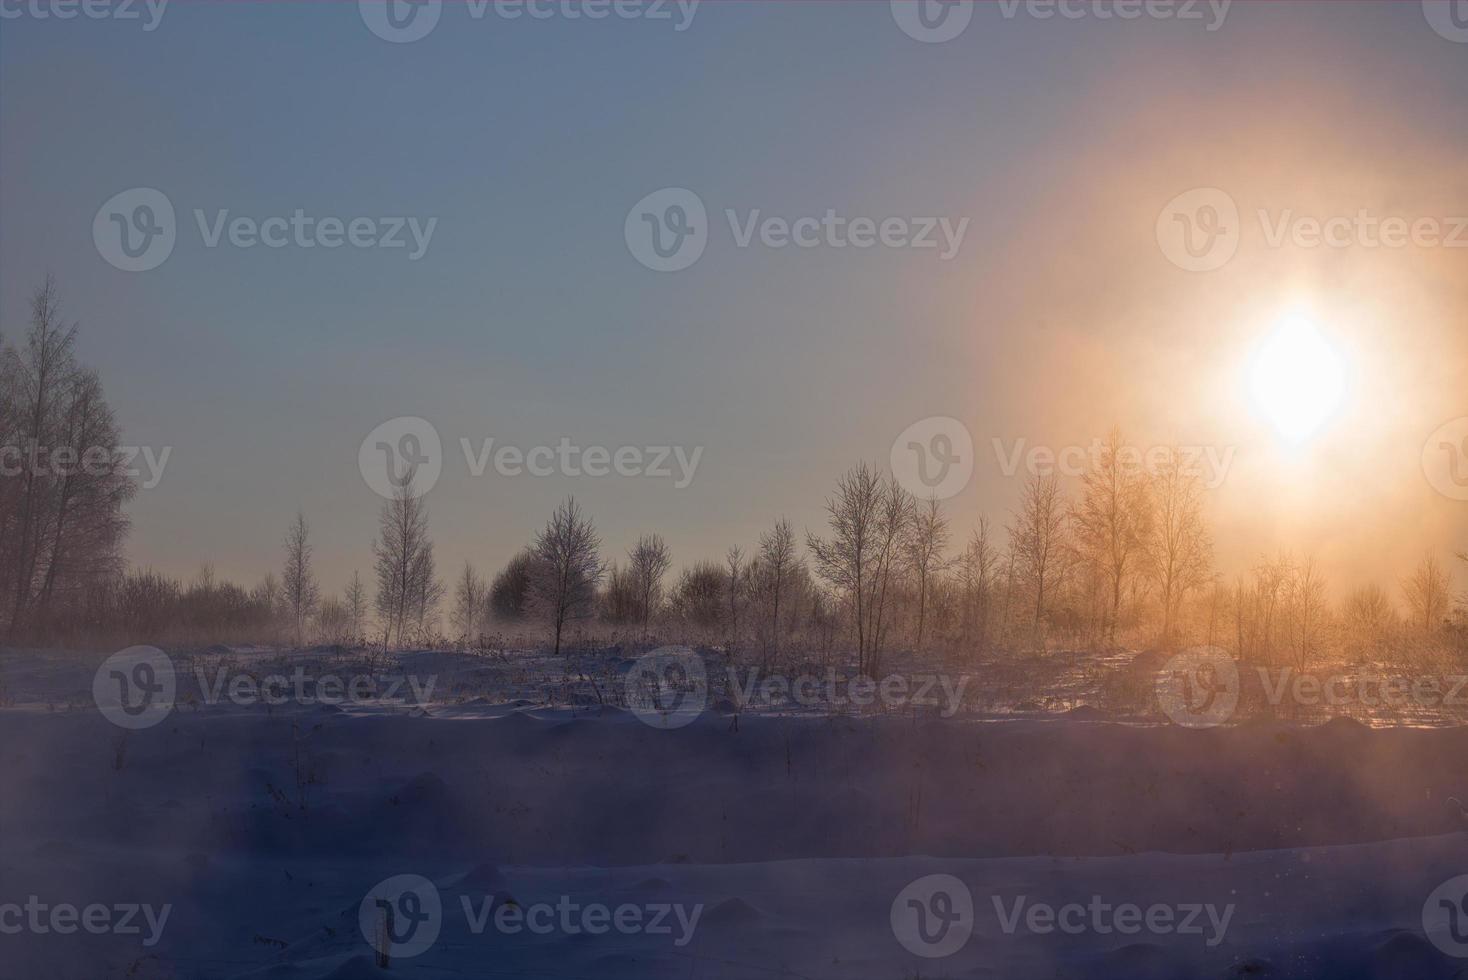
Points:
[[1296, 379]]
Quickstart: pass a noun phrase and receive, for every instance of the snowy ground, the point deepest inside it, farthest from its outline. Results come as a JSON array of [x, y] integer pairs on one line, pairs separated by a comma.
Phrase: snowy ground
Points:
[[549, 837]]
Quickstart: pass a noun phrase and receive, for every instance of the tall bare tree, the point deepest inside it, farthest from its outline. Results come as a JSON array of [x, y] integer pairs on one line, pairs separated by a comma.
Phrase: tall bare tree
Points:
[[647, 563], [925, 546], [1179, 548], [469, 605], [775, 566], [62, 487], [356, 602], [734, 566], [848, 560], [1428, 592], [895, 514], [566, 569], [1306, 611], [1038, 534], [407, 589], [298, 581], [976, 576], [510, 591], [1112, 521]]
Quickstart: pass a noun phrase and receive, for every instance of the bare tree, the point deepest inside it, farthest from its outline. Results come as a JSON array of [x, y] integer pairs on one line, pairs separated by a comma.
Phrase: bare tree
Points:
[[647, 563], [848, 560], [1111, 521], [1038, 536], [333, 620], [1369, 619], [61, 521], [1306, 611], [976, 572], [426, 592], [698, 597], [734, 564], [775, 567], [619, 598], [1179, 549], [266, 598], [566, 569], [895, 515], [1428, 593], [407, 590], [468, 605], [298, 581], [510, 590], [925, 547], [356, 607]]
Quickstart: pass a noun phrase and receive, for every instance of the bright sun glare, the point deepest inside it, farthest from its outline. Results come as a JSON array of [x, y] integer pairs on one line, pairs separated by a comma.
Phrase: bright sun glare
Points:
[[1296, 378]]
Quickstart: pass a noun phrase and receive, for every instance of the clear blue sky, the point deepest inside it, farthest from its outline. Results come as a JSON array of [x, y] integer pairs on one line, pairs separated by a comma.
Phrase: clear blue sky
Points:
[[528, 319]]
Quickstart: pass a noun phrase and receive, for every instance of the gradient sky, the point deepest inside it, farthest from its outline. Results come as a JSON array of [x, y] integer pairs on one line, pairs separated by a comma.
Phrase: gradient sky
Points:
[[528, 320]]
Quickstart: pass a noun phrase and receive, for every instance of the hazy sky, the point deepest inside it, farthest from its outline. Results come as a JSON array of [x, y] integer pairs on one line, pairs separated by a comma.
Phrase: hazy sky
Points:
[[528, 319]]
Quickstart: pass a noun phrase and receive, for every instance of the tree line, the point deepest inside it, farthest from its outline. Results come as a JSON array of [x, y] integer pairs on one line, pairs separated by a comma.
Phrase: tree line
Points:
[[1122, 560], [1124, 563]]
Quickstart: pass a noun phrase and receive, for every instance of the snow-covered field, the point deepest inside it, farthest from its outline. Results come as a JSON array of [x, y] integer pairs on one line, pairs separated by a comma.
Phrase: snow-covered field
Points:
[[513, 819]]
